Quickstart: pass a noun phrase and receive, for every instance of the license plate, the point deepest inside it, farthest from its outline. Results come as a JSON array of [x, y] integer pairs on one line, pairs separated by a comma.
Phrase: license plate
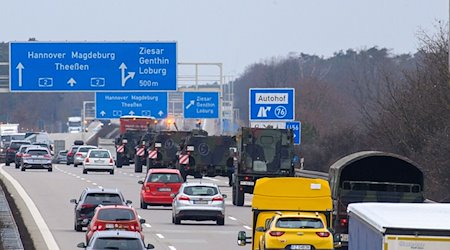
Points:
[[98, 161], [200, 202], [344, 237], [247, 183], [164, 189], [302, 247], [109, 226]]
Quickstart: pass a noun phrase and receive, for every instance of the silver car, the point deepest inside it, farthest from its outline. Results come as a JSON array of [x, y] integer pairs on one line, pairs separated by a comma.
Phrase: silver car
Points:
[[36, 158], [98, 160], [114, 239], [199, 201], [81, 154]]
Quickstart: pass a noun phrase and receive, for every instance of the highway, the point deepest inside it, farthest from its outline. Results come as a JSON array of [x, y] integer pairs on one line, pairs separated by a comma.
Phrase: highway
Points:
[[51, 192]]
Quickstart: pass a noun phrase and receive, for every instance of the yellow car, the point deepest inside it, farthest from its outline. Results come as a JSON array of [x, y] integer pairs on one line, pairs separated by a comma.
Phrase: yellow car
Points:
[[300, 230]]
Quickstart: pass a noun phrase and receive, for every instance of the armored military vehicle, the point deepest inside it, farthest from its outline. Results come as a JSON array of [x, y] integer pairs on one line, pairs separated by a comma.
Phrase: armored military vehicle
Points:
[[162, 151], [261, 152]]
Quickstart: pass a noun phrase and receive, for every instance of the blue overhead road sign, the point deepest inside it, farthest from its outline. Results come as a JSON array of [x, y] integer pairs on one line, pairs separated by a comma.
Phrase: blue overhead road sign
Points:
[[92, 66], [114, 105], [201, 105], [297, 128], [268, 104]]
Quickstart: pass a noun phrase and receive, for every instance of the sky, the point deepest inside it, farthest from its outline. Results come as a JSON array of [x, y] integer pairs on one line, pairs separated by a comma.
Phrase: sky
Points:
[[236, 33]]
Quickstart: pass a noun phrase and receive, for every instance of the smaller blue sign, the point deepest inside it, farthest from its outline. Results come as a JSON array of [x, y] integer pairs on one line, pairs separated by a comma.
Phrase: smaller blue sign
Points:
[[114, 105], [201, 105], [297, 128], [271, 104]]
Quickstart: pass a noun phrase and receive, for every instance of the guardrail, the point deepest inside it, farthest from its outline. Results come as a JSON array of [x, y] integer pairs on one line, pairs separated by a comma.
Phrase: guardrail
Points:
[[311, 174]]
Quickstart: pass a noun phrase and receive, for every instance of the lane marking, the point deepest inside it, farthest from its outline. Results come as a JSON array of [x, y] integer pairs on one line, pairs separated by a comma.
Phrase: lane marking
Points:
[[93, 183], [83, 179], [147, 225], [211, 179], [172, 248], [40, 222], [232, 218], [160, 236], [247, 227], [88, 181]]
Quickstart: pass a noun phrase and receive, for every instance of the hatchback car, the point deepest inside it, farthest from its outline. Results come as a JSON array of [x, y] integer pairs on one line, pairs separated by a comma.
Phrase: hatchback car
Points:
[[71, 154], [305, 230], [199, 202], [158, 187], [36, 158], [115, 239], [114, 217], [99, 160], [61, 157], [12, 150], [81, 154], [89, 199]]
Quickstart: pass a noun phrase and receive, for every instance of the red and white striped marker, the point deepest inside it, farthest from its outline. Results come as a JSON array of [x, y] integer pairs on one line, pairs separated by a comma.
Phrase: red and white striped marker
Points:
[[120, 149], [140, 152], [152, 154], [184, 159]]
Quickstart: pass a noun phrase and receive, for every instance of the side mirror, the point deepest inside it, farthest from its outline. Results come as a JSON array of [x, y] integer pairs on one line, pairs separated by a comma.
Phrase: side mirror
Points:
[[141, 182], [73, 201], [85, 222], [142, 221], [242, 238], [260, 229], [150, 246], [81, 245], [173, 195], [128, 202], [224, 196]]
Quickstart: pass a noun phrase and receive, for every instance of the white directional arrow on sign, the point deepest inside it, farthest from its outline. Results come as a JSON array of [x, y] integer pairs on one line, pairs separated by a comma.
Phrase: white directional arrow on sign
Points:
[[160, 113], [20, 67], [122, 68], [71, 82], [191, 103], [102, 113], [131, 112]]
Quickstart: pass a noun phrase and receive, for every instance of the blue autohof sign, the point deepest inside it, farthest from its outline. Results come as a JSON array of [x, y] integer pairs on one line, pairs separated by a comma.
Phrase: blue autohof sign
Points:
[[92, 66], [114, 105], [267, 104]]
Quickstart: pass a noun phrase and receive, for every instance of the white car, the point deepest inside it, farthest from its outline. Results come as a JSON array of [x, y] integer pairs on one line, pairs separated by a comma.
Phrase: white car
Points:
[[99, 160], [81, 154]]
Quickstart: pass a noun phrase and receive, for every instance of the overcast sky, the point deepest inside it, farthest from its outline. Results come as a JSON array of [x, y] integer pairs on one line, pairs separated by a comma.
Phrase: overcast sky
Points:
[[236, 33]]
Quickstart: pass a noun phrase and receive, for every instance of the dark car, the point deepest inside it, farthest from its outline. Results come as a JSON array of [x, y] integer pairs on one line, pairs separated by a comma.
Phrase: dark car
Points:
[[89, 199], [71, 154], [12, 150]]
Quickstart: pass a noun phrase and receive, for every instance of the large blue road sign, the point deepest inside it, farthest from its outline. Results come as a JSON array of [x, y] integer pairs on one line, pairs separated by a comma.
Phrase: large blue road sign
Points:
[[267, 104], [201, 105], [297, 128], [113, 105], [92, 66]]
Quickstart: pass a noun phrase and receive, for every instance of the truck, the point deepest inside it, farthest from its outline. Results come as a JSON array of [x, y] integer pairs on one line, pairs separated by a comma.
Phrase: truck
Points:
[[261, 152], [371, 176], [203, 155], [274, 195], [399, 226], [131, 131], [7, 133], [74, 124], [162, 152]]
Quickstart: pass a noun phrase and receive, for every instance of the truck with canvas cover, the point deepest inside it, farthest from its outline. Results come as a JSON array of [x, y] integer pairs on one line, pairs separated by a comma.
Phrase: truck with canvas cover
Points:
[[287, 195], [261, 152], [371, 176], [399, 226], [201, 154], [132, 128], [162, 151]]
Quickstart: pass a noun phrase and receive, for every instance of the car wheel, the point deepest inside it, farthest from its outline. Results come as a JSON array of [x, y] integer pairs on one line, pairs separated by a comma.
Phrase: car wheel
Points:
[[177, 220], [50, 169], [7, 163], [75, 165], [221, 221], [67, 163], [17, 166], [78, 228], [84, 171], [22, 169], [111, 171], [143, 205]]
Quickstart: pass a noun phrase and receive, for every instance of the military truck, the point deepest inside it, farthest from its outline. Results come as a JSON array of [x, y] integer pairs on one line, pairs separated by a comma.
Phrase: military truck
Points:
[[142, 149], [132, 128], [261, 152], [162, 150], [203, 155]]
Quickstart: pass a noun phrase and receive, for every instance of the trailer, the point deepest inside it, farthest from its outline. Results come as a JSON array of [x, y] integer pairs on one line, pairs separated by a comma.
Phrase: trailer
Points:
[[399, 226]]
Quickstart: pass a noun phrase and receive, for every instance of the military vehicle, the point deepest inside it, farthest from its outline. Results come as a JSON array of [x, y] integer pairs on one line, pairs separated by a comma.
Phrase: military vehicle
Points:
[[142, 149], [132, 128], [371, 176], [205, 155], [261, 152], [162, 150]]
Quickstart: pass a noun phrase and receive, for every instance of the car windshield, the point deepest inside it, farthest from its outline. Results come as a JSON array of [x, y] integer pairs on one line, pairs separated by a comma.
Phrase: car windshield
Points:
[[22, 149], [16, 145], [164, 177], [37, 152], [84, 149], [63, 153], [115, 214], [74, 149], [295, 222], [103, 198], [200, 190], [118, 243], [99, 154]]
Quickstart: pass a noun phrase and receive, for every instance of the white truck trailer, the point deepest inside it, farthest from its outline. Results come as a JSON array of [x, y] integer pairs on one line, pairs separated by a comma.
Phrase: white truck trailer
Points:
[[399, 226]]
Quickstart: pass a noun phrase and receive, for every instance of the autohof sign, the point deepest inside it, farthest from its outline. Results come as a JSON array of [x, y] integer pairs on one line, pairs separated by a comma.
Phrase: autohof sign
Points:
[[270, 104]]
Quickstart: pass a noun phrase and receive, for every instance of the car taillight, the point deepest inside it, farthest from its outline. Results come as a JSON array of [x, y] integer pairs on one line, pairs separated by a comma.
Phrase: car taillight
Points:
[[276, 233], [79, 154], [323, 234], [111, 161], [97, 227], [70, 154], [220, 198], [343, 222], [87, 205], [134, 227], [246, 178], [147, 188], [26, 155], [183, 198], [47, 156], [86, 160], [18, 154]]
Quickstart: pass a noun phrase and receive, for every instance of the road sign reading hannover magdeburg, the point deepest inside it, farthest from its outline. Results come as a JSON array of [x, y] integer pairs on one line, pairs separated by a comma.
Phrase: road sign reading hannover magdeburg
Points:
[[92, 66], [271, 104]]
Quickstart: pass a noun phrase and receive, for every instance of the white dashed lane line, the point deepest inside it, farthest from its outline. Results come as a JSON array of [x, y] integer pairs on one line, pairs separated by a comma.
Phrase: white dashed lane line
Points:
[[232, 218], [160, 236], [172, 248], [247, 227], [147, 225]]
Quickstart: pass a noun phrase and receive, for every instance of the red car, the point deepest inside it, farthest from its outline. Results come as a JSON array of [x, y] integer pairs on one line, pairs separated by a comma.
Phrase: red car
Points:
[[114, 217], [158, 186]]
